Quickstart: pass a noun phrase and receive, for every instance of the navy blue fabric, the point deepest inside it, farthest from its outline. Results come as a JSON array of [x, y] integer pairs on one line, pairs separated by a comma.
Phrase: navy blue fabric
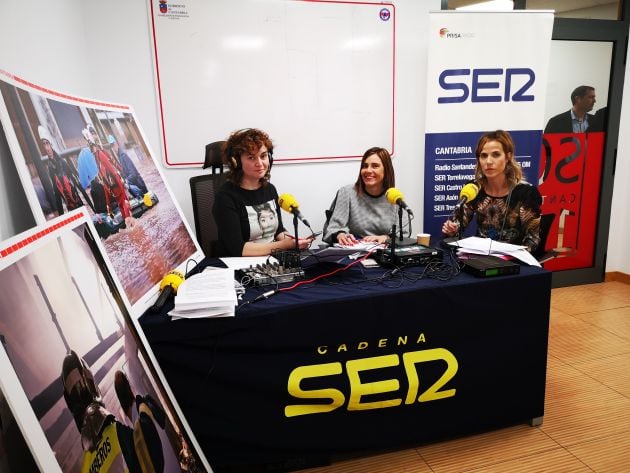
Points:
[[230, 375]]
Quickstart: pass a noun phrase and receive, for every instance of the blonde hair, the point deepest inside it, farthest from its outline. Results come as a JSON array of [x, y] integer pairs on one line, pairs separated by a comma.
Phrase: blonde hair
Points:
[[513, 172]]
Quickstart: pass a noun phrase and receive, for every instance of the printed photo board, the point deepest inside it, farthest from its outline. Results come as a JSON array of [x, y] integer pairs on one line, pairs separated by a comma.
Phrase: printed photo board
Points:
[[72, 152], [14, 453], [78, 376]]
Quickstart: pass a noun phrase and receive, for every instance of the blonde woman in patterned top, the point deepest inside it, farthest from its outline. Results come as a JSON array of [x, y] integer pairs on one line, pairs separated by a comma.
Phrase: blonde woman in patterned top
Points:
[[506, 207]]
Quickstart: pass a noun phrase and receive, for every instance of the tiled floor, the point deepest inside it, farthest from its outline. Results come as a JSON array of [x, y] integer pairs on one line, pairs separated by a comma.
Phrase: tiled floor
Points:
[[587, 411]]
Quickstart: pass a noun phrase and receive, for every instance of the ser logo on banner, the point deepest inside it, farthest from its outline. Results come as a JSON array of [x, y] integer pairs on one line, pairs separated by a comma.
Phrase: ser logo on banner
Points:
[[476, 84], [328, 399]]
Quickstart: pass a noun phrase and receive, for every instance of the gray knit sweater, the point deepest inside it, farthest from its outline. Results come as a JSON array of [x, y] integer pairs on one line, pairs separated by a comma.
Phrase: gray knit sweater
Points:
[[360, 215]]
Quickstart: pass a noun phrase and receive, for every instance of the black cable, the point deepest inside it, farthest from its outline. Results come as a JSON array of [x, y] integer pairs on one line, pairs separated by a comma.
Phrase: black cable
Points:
[[247, 279], [186, 272], [392, 278]]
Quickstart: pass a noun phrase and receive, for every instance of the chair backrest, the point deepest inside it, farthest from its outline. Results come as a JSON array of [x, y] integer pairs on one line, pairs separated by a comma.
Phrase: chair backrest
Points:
[[546, 220], [202, 189], [214, 156], [328, 213]]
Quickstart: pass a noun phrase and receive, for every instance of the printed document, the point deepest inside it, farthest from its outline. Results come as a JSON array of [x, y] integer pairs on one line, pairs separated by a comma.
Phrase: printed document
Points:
[[206, 294], [487, 246]]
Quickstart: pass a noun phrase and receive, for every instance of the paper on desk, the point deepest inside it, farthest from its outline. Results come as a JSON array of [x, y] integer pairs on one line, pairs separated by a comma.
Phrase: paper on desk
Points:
[[205, 294], [202, 313], [360, 246], [487, 246]]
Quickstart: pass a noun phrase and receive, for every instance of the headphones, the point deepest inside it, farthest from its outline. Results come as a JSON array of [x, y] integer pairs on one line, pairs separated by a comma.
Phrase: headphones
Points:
[[235, 161]]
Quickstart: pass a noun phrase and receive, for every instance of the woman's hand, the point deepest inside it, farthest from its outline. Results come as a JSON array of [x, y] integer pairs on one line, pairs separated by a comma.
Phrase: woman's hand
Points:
[[346, 239], [305, 243], [287, 242], [450, 228], [380, 239]]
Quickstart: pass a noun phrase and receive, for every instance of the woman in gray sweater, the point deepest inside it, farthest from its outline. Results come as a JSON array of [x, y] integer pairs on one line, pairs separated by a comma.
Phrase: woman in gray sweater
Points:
[[360, 211]]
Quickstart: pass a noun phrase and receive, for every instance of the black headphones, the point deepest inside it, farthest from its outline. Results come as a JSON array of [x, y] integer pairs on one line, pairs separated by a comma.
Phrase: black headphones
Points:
[[234, 161]]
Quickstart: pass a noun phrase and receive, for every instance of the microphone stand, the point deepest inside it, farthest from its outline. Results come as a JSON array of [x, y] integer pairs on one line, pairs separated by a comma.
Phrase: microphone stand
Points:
[[402, 241], [295, 231], [392, 246], [457, 236]]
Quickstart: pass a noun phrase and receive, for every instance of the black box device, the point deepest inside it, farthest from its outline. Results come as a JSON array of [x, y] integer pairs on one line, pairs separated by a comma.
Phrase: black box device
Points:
[[485, 266], [412, 255]]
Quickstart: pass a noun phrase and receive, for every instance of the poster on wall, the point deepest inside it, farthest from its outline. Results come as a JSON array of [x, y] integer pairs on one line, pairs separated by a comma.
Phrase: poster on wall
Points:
[[481, 79], [570, 183], [74, 152], [225, 65], [77, 375]]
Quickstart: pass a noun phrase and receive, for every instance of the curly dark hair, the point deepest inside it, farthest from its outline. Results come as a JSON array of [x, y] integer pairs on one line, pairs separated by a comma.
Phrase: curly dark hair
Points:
[[245, 141]]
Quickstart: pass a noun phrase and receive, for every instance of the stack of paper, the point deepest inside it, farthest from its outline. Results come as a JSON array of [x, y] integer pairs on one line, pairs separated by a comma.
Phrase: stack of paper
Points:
[[487, 246], [210, 293], [360, 246]]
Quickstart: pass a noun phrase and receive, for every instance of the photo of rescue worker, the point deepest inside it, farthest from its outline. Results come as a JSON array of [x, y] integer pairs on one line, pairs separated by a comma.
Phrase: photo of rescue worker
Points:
[[73, 348], [73, 153]]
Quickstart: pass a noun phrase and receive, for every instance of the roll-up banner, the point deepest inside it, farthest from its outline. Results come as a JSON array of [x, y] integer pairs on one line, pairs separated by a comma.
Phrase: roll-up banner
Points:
[[486, 71]]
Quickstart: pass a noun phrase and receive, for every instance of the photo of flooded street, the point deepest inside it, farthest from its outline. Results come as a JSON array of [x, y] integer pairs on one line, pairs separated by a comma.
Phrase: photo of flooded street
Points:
[[73, 152], [158, 243]]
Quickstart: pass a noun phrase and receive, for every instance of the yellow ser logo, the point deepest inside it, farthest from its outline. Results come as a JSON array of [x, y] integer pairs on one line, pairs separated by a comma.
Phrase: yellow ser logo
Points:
[[358, 389]]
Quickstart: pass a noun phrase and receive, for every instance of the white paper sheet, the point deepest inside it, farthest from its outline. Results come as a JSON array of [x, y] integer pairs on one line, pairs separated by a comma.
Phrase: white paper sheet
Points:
[[487, 246], [360, 246], [206, 294]]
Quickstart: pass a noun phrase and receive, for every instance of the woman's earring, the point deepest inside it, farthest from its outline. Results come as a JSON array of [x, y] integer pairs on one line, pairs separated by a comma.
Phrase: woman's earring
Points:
[[234, 162]]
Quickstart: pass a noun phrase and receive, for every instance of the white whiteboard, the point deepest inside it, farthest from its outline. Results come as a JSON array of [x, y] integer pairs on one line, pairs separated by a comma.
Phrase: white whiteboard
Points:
[[317, 76]]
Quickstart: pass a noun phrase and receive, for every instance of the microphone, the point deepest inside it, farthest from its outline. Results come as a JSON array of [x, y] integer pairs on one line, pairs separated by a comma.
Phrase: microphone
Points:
[[468, 192], [168, 287], [395, 197], [288, 203]]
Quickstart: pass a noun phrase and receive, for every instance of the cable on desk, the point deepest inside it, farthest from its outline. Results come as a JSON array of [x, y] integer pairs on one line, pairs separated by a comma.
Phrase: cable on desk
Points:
[[325, 275], [246, 280], [345, 282], [187, 271], [456, 265], [442, 271], [240, 306], [396, 272]]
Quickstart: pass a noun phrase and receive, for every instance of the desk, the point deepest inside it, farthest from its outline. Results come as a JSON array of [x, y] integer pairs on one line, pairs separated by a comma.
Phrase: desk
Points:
[[385, 366]]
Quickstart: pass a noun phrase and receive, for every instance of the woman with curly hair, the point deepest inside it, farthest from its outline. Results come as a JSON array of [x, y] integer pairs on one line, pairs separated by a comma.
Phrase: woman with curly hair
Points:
[[246, 208]]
